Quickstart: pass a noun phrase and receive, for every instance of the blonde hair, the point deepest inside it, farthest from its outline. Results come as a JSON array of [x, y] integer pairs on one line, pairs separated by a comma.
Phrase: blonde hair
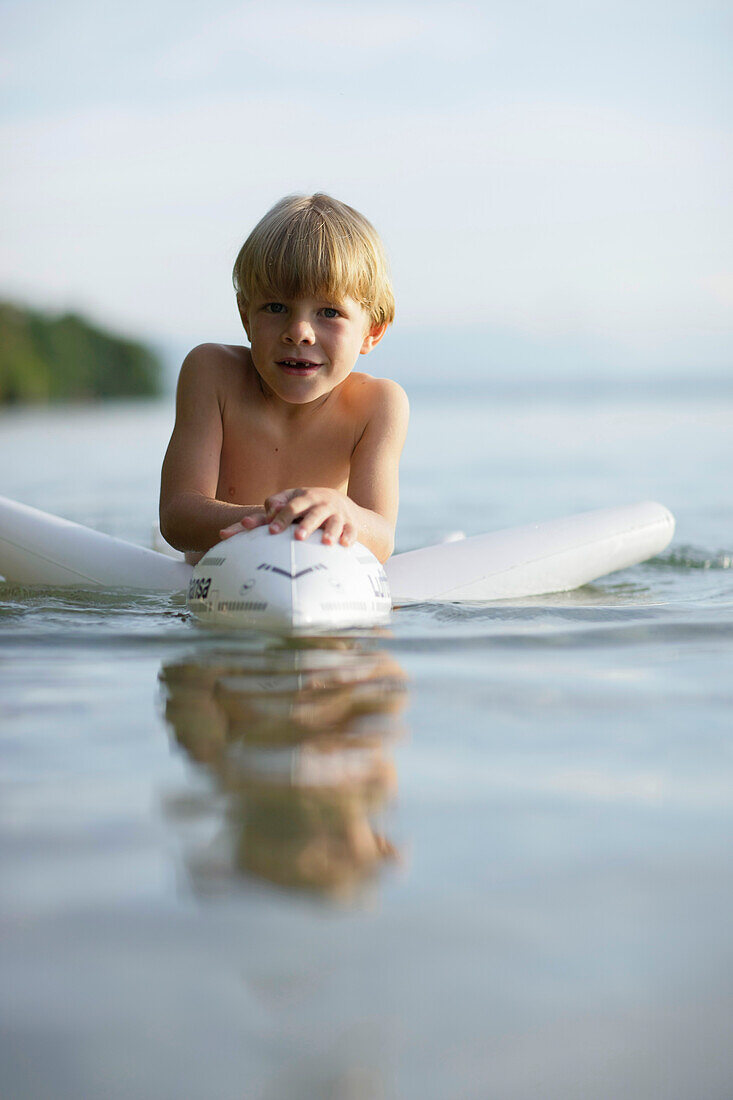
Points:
[[315, 246]]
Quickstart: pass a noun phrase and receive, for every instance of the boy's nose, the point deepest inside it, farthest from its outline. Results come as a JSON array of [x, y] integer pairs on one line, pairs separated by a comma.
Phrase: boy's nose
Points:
[[299, 332]]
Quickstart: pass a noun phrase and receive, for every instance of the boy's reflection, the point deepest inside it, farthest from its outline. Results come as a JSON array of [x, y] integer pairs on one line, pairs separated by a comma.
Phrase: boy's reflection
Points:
[[297, 739]]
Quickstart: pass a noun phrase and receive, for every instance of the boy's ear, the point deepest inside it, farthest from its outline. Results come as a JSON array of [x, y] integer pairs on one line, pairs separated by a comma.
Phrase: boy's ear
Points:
[[244, 314], [373, 336]]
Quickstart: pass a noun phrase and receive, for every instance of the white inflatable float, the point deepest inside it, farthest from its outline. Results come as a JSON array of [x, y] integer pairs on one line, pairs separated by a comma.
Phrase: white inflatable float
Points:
[[278, 582]]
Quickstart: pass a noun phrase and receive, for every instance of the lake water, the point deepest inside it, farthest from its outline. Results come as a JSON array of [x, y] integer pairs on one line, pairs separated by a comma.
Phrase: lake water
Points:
[[486, 853]]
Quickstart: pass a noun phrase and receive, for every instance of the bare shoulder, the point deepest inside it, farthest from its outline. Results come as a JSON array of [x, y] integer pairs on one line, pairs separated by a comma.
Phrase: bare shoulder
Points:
[[213, 362], [378, 397]]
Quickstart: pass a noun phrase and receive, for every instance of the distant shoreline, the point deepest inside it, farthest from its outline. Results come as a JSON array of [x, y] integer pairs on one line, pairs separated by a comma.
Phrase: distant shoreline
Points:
[[48, 358]]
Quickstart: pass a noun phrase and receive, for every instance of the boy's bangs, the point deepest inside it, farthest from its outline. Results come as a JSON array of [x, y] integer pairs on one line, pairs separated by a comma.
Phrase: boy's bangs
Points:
[[302, 264], [315, 247]]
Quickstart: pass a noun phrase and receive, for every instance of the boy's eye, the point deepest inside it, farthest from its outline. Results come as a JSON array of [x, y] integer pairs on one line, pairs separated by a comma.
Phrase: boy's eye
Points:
[[274, 307], [330, 311]]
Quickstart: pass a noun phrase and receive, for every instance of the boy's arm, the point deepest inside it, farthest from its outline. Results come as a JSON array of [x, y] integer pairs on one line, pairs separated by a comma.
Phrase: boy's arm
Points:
[[374, 477], [190, 515], [369, 512]]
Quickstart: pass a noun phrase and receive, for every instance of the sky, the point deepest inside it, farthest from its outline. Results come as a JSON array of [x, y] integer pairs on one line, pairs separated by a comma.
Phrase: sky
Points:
[[552, 181]]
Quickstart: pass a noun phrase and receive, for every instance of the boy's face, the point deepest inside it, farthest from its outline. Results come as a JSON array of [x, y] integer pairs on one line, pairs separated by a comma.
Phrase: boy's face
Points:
[[302, 348]]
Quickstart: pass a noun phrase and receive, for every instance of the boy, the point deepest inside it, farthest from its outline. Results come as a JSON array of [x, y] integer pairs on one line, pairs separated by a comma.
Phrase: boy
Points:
[[283, 431]]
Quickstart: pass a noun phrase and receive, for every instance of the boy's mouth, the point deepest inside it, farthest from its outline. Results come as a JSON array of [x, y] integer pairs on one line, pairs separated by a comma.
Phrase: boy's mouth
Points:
[[298, 366]]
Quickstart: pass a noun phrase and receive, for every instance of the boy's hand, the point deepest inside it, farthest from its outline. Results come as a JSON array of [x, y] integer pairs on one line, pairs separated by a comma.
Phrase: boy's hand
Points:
[[256, 518], [314, 508]]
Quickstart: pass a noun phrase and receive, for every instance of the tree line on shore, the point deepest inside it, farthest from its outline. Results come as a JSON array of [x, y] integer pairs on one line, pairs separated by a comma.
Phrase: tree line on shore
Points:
[[49, 358]]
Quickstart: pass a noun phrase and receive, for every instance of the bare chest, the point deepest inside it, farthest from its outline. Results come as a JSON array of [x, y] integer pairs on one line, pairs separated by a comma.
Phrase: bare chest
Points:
[[260, 457]]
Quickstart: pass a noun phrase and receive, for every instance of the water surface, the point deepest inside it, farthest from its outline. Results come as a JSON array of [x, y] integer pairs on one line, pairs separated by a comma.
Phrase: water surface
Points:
[[483, 853]]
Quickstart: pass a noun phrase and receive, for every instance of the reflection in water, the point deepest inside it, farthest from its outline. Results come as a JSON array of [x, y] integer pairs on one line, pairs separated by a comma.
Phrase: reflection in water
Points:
[[297, 740]]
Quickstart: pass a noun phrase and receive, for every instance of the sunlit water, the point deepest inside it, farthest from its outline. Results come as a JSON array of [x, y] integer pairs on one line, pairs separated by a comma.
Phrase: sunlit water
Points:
[[485, 853]]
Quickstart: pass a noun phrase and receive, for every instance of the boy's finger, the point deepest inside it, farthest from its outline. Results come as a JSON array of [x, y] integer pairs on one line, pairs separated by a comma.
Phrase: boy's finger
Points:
[[348, 535], [282, 520], [290, 511], [246, 523], [332, 529], [277, 501], [233, 529], [312, 520]]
